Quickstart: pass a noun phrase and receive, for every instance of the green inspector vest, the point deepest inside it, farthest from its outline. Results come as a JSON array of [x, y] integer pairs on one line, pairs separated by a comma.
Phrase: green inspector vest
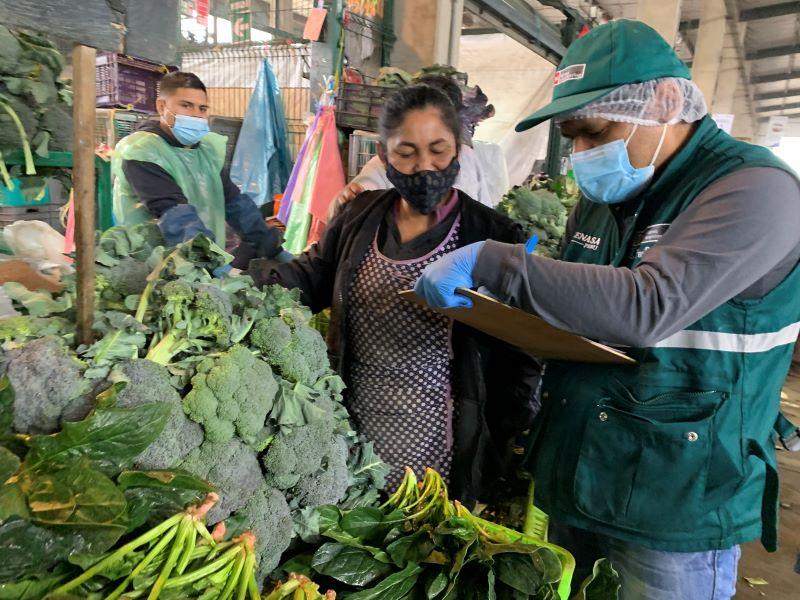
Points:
[[195, 170], [675, 453]]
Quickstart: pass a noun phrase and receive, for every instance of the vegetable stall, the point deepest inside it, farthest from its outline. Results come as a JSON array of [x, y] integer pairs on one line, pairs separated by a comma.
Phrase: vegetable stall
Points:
[[165, 433]]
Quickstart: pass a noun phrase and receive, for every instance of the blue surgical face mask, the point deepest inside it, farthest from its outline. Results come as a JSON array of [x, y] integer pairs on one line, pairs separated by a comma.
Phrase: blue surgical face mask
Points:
[[189, 130], [605, 174]]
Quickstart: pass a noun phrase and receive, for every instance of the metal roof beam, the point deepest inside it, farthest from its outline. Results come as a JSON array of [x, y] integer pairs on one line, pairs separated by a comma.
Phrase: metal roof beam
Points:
[[773, 52], [526, 24], [774, 77], [774, 107], [754, 14], [777, 95]]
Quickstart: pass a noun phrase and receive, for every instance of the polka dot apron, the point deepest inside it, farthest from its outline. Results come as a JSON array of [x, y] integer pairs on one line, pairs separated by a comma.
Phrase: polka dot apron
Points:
[[399, 363]]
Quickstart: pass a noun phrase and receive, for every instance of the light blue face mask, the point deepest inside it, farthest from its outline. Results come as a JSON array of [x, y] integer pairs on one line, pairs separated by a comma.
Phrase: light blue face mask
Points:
[[189, 130], [605, 174]]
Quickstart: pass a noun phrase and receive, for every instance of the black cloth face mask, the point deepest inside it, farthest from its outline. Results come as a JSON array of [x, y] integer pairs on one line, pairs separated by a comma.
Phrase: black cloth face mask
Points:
[[423, 190]]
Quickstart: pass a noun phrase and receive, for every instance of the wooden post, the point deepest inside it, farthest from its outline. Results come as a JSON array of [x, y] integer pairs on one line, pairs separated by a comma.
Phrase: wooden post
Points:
[[83, 182]]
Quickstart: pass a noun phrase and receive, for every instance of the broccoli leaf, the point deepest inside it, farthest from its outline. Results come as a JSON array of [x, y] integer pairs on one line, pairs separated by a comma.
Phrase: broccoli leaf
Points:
[[37, 304], [111, 439]]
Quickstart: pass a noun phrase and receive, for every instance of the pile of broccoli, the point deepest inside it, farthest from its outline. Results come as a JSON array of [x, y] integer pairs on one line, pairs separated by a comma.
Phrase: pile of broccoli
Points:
[[541, 210], [257, 410]]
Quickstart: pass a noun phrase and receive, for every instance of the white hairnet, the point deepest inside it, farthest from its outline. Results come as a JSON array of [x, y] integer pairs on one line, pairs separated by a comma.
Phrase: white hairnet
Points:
[[651, 103]]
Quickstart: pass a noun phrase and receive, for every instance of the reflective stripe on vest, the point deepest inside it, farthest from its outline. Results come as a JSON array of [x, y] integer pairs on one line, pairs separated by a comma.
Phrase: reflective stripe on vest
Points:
[[731, 342]]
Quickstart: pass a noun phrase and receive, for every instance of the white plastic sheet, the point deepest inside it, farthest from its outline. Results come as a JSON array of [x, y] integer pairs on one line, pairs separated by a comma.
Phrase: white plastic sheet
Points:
[[518, 82]]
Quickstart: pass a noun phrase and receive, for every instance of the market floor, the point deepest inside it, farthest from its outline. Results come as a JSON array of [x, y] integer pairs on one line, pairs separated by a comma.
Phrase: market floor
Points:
[[777, 576]]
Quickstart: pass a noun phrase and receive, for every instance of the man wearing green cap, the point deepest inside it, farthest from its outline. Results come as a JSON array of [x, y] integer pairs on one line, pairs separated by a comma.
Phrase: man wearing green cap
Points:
[[685, 249]]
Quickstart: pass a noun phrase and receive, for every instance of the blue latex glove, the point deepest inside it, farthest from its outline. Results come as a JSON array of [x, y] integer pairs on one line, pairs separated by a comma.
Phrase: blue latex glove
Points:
[[244, 216], [283, 256], [439, 281], [181, 223], [222, 271]]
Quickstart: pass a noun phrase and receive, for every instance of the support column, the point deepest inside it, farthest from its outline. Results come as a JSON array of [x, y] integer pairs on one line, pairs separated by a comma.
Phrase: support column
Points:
[[424, 30], [662, 15], [708, 51]]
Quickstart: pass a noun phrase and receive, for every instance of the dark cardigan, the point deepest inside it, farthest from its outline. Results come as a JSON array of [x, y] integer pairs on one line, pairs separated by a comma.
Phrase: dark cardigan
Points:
[[495, 384]]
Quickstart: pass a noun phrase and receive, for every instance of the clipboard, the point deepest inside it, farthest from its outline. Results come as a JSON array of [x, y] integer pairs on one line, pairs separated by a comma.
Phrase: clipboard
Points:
[[526, 331]]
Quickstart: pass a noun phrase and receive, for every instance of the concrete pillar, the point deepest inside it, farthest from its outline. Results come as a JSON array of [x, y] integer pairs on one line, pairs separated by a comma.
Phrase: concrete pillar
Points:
[[424, 30], [662, 15], [708, 50]]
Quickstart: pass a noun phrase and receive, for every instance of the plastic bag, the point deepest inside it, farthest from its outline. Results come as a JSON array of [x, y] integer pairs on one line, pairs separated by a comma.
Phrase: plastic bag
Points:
[[261, 162], [37, 240]]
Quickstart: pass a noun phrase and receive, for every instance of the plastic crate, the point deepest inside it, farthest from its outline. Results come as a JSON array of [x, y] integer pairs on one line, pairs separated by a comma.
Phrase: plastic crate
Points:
[[229, 127], [49, 213], [124, 81], [363, 146], [359, 106], [111, 125]]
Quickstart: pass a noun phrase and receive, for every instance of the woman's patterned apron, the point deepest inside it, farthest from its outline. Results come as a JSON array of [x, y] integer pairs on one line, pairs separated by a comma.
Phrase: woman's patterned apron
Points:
[[399, 363]]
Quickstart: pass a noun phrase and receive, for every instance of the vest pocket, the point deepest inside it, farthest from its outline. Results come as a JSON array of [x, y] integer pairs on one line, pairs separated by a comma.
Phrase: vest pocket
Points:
[[644, 466]]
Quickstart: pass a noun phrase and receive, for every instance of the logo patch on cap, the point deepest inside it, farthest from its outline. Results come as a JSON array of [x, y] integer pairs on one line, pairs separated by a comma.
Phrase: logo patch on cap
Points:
[[569, 73]]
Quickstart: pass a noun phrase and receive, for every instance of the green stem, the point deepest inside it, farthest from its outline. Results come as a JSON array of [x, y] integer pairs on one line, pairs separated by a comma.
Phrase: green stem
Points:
[[156, 551], [163, 352], [4, 172], [180, 540], [30, 168], [252, 587], [191, 541], [233, 578], [244, 579], [203, 571], [119, 554], [200, 527]]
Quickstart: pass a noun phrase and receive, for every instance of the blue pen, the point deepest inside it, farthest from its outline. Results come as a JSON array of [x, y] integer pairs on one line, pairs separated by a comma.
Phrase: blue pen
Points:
[[530, 245]]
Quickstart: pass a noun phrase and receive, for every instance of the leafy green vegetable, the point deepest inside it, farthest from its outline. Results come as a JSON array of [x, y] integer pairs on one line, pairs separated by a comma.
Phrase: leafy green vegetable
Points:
[[602, 584]]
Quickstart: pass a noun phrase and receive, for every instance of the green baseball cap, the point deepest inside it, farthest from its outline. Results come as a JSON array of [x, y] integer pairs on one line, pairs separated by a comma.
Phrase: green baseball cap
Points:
[[609, 56]]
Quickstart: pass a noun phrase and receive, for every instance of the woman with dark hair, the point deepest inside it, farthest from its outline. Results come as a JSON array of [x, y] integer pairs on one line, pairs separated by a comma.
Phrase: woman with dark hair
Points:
[[471, 178], [429, 392]]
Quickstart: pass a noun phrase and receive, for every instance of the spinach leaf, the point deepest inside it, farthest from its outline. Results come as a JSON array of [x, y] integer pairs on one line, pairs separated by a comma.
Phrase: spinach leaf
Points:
[[395, 587], [348, 564], [517, 571], [602, 584], [111, 439], [30, 589], [27, 550], [6, 405], [156, 495], [80, 501], [9, 463]]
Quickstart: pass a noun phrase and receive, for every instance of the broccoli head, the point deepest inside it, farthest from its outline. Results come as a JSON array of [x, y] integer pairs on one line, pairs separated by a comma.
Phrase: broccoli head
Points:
[[126, 278], [292, 346], [232, 467], [329, 485], [267, 515], [147, 382], [232, 394], [49, 386], [299, 453]]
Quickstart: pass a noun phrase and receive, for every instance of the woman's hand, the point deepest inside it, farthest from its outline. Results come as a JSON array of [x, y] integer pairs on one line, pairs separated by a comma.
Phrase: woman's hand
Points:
[[350, 191]]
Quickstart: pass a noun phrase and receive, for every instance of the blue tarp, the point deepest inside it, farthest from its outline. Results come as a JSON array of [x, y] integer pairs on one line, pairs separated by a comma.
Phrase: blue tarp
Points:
[[261, 162]]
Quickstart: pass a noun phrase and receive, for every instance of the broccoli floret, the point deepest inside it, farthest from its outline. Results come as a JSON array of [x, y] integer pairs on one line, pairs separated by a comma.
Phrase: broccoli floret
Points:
[[147, 382], [232, 394], [48, 385], [299, 453], [196, 315], [267, 515], [328, 486], [232, 468], [128, 277], [289, 344]]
